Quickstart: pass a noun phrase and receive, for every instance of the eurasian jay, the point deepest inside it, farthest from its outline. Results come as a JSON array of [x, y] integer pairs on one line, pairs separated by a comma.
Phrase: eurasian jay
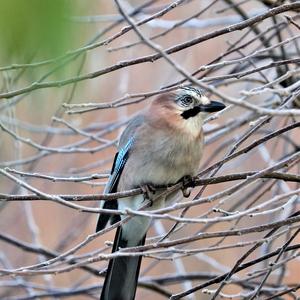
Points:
[[158, 147]]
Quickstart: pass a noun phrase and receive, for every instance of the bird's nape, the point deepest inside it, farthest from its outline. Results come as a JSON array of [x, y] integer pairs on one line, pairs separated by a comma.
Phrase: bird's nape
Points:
[[159, 146]]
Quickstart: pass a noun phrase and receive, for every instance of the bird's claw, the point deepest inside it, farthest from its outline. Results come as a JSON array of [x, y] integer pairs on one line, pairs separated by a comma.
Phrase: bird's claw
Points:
[[188, 183], [148, 191], [186, 192]]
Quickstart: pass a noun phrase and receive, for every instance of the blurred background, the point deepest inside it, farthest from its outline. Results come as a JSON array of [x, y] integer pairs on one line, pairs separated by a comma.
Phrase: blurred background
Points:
[[72, 75]]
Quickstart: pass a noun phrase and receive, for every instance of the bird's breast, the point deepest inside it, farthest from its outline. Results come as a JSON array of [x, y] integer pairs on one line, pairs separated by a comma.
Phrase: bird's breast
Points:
[[163, 159]]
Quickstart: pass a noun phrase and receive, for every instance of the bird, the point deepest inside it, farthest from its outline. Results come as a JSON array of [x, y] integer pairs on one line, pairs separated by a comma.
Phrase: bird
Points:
[[160, 146]]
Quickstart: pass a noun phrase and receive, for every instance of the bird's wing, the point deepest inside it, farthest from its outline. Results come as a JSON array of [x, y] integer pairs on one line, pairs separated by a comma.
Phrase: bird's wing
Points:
[[126, 141], [121, 157], [111, 187], [118, 166]]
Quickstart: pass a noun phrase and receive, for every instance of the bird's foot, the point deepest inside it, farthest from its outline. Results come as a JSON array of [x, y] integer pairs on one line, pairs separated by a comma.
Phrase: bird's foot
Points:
[[188, 183], [148, 191]]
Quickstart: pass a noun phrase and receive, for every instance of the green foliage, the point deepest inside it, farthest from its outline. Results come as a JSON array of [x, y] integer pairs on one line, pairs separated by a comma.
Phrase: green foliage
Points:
[[34, 27]]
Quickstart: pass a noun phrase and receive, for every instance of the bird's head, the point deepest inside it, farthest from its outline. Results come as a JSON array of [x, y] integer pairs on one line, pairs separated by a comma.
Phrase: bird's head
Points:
[[191, 102], [186, 109]]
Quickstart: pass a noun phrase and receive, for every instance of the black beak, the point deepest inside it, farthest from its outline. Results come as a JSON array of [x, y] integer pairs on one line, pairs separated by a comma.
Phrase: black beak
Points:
[[213, 106]]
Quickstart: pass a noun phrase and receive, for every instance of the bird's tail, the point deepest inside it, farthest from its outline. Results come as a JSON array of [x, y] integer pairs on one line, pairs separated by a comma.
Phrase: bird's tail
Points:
[[122, 273]]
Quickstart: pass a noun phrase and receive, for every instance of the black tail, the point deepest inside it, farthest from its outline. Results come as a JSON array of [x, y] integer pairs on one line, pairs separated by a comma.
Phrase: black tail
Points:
[[104, 218], [122, 273]]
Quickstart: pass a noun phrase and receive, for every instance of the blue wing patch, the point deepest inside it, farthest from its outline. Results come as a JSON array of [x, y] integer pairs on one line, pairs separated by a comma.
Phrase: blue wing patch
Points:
[[111, 187], [118, 166]]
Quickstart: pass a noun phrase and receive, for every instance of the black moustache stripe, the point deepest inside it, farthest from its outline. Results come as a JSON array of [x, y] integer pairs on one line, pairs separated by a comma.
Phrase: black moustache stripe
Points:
[[191, 112]]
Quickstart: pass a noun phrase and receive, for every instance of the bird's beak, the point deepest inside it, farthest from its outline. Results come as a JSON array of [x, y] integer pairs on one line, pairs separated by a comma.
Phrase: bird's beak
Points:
[[213, 106]]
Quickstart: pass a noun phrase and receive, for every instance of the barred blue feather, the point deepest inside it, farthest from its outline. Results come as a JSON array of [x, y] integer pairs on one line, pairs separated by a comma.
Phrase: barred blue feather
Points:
[[120, 160]]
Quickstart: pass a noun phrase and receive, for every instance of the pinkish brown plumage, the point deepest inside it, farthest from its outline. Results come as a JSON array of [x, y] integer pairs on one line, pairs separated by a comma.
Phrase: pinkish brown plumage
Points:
[[160, 146]]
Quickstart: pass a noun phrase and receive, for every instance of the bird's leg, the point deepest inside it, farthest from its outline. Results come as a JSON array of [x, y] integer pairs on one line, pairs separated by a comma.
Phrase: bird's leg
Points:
[[148, 191], [188, 183]]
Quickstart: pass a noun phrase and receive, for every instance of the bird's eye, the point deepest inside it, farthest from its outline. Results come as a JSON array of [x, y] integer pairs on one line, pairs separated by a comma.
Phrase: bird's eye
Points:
[[186, 100]]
